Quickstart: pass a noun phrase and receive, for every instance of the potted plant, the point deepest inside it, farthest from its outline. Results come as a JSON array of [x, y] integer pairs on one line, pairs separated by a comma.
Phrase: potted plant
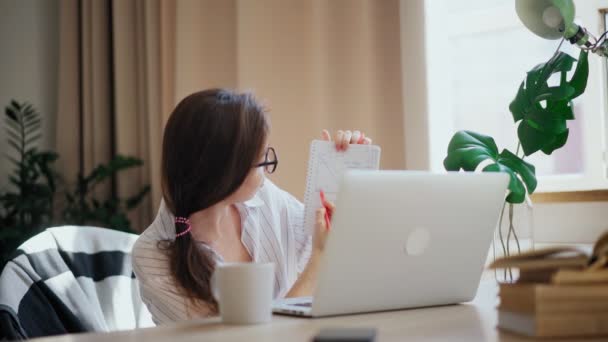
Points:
[[541, 112], [28, 205]]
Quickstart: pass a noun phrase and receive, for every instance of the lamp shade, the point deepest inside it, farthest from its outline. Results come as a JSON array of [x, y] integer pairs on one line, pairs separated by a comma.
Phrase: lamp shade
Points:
[[549, 19]]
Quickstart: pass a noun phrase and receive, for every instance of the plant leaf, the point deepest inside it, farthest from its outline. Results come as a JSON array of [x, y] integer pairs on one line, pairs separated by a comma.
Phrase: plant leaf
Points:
[[581, 74], [547, 124], [29, 124], [518, 105], [557, 142], [15, 105], [117, 164], [133, 201], [13, 136], [14, 145], [468, 149], [561, 109], [534, 138], [556, 94], [33, 139], [14, 125], [44, 161], [524, 169], [11, 113], [13, 160], [29, 112], [541, 128]]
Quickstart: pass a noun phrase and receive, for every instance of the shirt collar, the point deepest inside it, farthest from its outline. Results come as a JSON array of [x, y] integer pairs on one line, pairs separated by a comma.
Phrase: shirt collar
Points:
[[254, 202]]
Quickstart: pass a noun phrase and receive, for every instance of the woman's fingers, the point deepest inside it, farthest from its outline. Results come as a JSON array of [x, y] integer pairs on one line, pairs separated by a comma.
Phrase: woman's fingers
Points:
[[356, 137], [346, 139], [343, 138], [320, 216], [321, 220], [338, 139], [325, 135]]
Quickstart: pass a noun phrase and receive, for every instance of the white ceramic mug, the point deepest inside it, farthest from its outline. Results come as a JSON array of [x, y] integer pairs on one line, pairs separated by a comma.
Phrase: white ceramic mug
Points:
[[244, 292]]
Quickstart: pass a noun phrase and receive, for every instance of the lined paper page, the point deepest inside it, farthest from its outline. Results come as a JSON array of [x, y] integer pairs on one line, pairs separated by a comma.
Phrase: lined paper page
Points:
[[325, 169]]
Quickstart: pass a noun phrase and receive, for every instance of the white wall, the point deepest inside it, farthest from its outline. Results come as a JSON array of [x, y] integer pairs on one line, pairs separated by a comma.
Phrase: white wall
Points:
[[29, 40]]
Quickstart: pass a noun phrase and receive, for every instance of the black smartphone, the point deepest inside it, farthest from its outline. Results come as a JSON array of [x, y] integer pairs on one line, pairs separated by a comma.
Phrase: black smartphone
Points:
[[346, 335]]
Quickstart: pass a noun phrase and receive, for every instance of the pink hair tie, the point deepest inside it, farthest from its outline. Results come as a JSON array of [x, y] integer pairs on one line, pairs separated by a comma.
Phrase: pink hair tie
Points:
[[183, 220]]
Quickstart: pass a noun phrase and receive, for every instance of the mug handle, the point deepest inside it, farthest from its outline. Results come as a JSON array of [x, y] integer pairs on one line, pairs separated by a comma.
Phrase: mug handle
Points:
[[214, 288]]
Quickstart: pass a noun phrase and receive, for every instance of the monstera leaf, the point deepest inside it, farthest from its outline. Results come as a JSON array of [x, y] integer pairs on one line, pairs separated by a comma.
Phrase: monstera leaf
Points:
[[543, 109], [468, 149]]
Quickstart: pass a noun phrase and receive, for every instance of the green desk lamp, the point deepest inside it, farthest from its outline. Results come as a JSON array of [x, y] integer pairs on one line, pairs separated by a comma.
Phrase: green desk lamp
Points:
[[554, 19]]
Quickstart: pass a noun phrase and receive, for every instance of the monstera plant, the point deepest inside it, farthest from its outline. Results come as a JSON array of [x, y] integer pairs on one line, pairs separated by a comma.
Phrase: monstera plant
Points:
[[541, 111]]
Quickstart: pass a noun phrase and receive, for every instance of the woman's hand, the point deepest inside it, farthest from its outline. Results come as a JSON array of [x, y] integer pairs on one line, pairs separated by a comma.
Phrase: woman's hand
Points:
[[307, 280], [321, 227], [344, 138]]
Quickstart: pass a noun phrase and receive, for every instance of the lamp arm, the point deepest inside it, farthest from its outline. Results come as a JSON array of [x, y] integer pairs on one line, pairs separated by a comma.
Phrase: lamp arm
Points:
[[587, 41]]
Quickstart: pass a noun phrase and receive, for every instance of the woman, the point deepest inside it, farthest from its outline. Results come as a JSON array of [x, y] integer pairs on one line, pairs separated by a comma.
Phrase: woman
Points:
[[218, 207]]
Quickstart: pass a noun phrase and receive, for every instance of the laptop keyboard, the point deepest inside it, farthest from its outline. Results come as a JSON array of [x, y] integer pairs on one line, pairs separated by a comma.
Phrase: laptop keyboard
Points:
[[306, 305]]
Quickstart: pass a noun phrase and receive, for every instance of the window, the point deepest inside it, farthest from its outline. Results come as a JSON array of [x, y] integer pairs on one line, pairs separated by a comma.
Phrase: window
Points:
[[477, 54]]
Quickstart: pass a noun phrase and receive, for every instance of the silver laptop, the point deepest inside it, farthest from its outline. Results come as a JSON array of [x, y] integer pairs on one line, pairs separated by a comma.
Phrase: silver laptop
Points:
[[404, 239]]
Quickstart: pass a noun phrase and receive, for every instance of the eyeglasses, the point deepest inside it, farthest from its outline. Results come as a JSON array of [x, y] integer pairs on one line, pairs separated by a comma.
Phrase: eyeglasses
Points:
[[270, 161]]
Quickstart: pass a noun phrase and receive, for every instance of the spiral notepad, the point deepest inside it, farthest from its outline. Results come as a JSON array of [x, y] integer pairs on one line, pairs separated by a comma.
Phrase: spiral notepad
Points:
[[325, 168]]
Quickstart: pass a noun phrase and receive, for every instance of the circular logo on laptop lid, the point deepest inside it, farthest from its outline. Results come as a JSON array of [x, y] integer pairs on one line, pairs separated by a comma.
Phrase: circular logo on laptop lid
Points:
[[417, 242]]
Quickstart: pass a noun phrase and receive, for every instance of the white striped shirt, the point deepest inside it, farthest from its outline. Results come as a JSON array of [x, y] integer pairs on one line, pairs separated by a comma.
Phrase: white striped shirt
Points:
[[272, 231]]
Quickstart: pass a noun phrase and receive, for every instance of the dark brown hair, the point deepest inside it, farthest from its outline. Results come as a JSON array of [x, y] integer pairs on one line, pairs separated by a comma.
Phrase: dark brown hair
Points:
[[211, 141]]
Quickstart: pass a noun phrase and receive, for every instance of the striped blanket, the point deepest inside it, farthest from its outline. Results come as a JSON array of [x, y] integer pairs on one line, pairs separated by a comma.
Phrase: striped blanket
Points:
[[71, 279]]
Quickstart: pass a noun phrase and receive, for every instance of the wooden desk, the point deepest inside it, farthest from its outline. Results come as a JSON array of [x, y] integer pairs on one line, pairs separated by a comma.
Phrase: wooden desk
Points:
[[474, 321]]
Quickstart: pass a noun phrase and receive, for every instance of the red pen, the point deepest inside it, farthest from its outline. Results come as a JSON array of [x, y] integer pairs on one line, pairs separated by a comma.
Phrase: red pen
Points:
[[327, 217]]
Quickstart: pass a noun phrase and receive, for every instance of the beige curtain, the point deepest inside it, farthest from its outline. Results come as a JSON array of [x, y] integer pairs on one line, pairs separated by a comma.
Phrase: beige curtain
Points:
[[115, 90], [84, 113], [144, 46], [316, 64]]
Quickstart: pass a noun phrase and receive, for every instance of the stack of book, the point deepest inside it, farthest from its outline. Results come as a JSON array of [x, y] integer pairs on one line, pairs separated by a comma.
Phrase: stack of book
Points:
[[560, 292]]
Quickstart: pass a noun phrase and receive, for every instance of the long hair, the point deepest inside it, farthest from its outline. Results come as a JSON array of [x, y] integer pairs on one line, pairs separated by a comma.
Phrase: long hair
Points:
[[211, 141]]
